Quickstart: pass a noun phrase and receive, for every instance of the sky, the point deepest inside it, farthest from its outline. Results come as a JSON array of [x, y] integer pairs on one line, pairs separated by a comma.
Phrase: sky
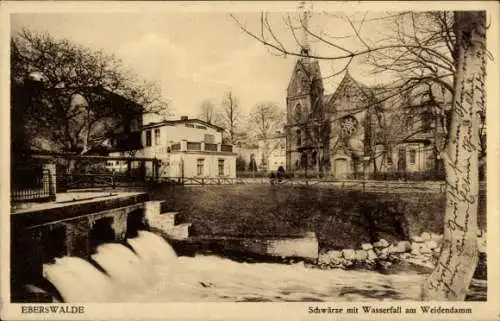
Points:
[[195, 56]]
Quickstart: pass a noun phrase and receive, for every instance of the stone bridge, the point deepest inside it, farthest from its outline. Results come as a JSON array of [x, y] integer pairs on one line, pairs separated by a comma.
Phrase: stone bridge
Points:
[[76, 226]]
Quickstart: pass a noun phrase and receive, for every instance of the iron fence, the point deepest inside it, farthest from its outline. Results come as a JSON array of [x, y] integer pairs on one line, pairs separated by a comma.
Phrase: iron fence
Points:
[[30, 184]]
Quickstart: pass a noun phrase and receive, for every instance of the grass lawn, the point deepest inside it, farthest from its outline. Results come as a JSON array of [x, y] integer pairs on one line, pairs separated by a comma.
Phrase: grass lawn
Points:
[[340, 220]]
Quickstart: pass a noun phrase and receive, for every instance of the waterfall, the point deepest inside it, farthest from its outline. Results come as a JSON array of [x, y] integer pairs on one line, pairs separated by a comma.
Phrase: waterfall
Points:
[[79, 281], [148, 270]]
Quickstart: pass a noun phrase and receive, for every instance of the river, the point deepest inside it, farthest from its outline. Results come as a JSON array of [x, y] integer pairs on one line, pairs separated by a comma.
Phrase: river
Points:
[[154, 273]]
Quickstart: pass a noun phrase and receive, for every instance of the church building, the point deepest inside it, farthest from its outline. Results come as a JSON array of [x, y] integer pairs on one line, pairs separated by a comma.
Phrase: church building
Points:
[[345, 134]]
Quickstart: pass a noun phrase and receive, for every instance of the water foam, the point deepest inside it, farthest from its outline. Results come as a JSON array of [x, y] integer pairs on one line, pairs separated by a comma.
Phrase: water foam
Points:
[[153, 273]]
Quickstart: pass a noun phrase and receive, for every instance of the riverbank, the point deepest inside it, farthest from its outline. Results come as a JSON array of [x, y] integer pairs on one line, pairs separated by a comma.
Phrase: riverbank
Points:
[[340, 220]]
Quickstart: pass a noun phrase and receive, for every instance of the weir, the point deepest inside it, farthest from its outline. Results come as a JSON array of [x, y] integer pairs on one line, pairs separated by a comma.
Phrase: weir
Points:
[[76, 227]]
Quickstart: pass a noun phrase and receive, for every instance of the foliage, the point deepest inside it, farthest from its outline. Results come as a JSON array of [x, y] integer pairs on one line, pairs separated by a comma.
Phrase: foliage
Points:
[[241, 164], [72, 97]]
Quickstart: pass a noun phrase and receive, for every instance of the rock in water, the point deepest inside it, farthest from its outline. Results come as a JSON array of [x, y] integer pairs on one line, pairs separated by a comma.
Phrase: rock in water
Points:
[[361, 255], [349, 254], [381, 243], [431, 244], [366, 246], [401, 247], [425, 236], [417, 239], [415, 248], [371, 255], [334, 254]]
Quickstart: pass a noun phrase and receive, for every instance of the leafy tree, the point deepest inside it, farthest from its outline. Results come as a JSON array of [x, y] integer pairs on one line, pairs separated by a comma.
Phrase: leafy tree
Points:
[[71, 97], [241, 164]]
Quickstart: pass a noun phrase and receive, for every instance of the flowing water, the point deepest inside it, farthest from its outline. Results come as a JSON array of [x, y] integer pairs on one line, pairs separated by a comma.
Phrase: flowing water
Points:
[[155, 274]]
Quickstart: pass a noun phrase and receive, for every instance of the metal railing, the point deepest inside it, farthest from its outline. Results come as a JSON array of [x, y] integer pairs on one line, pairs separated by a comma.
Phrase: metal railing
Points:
[[226, 148], [30, 185], [211, 147]]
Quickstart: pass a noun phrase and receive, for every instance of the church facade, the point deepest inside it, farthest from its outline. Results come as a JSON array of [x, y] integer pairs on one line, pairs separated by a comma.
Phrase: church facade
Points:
[[345, 135]]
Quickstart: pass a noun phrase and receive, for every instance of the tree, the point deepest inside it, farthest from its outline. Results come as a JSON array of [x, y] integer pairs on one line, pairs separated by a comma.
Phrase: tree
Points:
[[81, 96], [252, 165], [241, 164], [230, 117], [264, 120], [451, 277], [207, 112], [453, 273]]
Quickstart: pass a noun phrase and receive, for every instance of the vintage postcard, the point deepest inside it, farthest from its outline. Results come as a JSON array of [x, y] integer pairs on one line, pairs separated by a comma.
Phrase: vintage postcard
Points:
[[249, 160]]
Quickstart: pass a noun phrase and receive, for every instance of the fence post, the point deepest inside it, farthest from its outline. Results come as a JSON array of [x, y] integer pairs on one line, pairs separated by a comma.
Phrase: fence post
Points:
[[49, 175]]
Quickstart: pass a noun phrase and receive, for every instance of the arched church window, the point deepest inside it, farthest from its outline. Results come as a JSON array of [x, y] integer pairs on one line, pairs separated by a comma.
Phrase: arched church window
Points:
[[298, 112], [314, 158], [303, 161], [299, 137]]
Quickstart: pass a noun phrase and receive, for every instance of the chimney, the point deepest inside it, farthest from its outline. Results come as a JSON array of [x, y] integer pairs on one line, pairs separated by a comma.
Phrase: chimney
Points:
[[184, 117]]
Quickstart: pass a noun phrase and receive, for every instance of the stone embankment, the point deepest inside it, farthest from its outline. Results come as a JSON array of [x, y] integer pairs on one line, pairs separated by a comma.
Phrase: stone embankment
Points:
[[422, 251]]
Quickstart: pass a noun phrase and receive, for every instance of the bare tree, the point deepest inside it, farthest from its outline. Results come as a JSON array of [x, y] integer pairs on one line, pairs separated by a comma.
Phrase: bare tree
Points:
[[81, 95], [207, 112], [264, 120], [451, 277], [230, 117], [457, 54]]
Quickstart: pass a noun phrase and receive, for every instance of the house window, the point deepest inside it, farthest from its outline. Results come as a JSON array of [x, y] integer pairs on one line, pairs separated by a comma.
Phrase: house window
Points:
[[413, 156], [209, 138], [157, 136], [200, 164], [148, 138], [221, 167]]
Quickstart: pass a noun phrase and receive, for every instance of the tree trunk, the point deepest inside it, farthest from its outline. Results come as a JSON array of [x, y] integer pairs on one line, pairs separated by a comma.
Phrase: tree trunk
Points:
[[458, 259]]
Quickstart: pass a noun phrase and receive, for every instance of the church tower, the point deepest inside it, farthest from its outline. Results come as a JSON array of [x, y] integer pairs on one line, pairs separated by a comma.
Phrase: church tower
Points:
[[304, 104]]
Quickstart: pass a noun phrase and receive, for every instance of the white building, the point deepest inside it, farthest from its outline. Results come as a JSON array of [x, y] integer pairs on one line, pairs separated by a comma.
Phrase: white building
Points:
[[189, 148], [272, 152]]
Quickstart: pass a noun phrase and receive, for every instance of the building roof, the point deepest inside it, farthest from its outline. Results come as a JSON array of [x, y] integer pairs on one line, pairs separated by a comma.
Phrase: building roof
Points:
[[181, 121], [274, 136]]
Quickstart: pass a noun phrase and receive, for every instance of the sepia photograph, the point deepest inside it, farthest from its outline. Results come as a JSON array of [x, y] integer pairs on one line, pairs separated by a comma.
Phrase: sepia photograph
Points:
[[302, 152]]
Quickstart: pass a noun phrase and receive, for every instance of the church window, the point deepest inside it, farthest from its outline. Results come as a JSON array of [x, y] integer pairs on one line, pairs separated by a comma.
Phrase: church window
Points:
[[413, 156], [299, 137], [298, 112], [348, 126]]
